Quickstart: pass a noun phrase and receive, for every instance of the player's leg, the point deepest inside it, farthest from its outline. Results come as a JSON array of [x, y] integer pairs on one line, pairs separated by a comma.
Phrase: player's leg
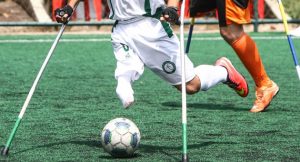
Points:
[[124, 89], [205, 77], [208, 76], [129, 68], [266, 89], [234, 79], [231, 17], [165, 62], [159, 51], [129, 65]]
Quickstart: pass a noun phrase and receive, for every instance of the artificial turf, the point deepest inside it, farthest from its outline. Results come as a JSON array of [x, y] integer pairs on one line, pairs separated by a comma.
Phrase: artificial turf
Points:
[[76, 97]]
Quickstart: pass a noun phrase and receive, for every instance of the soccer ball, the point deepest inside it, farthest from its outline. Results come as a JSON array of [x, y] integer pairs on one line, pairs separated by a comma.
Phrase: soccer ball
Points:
[[120, 137]]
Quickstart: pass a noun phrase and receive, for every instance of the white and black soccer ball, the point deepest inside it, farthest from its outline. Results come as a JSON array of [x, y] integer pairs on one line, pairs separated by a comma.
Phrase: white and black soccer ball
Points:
[[120, 137]]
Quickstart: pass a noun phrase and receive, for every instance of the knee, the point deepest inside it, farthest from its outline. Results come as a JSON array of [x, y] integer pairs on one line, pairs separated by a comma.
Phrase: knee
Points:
[[192, 86], [230, 35], [227, 36], [191, 89]]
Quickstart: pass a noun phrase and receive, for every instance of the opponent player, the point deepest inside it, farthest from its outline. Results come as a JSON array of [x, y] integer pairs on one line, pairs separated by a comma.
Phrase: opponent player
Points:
[[232, 14], [140, 38]]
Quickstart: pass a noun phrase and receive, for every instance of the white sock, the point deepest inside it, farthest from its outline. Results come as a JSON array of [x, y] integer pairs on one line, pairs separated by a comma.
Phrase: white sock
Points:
[[125, 91], [210, 75]]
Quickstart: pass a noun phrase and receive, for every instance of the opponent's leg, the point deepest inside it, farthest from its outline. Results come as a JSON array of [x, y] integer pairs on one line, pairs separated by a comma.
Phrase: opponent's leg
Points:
[[264, 96], [248, 53], [266, 89], [232, 15]]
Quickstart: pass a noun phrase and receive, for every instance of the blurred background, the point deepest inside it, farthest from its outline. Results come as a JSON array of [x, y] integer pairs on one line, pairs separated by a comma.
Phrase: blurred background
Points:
[[92, 15]]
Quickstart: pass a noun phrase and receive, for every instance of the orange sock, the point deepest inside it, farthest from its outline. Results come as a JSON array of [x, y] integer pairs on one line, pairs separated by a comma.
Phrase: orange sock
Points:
[[248, 53]]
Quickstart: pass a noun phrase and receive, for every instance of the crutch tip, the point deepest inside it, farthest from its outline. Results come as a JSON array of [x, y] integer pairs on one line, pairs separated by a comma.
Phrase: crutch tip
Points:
[[185, 158], [4, 150]]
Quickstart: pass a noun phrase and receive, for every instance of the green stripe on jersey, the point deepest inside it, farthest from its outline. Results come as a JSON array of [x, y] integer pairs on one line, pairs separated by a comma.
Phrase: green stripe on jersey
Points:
[[167, 28], [147, 8], [165, 24]]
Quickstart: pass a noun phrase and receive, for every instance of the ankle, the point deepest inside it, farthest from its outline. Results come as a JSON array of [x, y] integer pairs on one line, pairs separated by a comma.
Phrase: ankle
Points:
[[266, 82]]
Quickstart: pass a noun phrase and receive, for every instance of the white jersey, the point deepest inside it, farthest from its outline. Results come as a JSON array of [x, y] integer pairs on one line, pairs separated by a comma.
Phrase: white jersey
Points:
[[128, 9]]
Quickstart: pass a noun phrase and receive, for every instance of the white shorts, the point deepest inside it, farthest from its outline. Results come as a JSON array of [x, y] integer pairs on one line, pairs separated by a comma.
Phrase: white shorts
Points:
[[149, 42]]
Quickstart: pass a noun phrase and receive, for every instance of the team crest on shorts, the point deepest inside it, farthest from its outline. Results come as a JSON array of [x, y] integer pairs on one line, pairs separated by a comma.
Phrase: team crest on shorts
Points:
[[169, 67]]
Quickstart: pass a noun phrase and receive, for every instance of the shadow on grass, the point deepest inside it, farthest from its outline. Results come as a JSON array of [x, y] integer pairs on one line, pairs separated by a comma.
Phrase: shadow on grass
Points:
[[143, 148], [91, 143], [151, 149], [136, 155], [155, 148], [227, 107]]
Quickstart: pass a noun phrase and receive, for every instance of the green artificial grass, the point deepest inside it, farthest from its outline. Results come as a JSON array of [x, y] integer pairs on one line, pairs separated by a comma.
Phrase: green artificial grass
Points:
[[76, 97]]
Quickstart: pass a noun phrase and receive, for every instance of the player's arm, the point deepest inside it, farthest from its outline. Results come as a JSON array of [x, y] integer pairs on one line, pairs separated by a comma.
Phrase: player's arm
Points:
[[62, 14], [73, 3], [170, 12], [173, 3]]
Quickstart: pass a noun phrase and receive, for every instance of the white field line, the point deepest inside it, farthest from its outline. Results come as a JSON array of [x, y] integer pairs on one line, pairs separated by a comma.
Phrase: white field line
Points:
[[52, 40], [108, 39]]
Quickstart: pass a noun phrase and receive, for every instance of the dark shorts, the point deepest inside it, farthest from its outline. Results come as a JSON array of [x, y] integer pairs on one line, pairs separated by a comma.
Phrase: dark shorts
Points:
[[229, 11]]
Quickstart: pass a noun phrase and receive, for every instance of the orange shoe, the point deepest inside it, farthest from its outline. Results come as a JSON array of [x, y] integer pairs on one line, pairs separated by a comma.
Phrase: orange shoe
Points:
[[234, 79], [264, 96]]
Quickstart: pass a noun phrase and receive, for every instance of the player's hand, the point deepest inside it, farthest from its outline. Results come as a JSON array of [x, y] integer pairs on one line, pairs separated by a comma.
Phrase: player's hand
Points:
[[170, 14], [62, 14]]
